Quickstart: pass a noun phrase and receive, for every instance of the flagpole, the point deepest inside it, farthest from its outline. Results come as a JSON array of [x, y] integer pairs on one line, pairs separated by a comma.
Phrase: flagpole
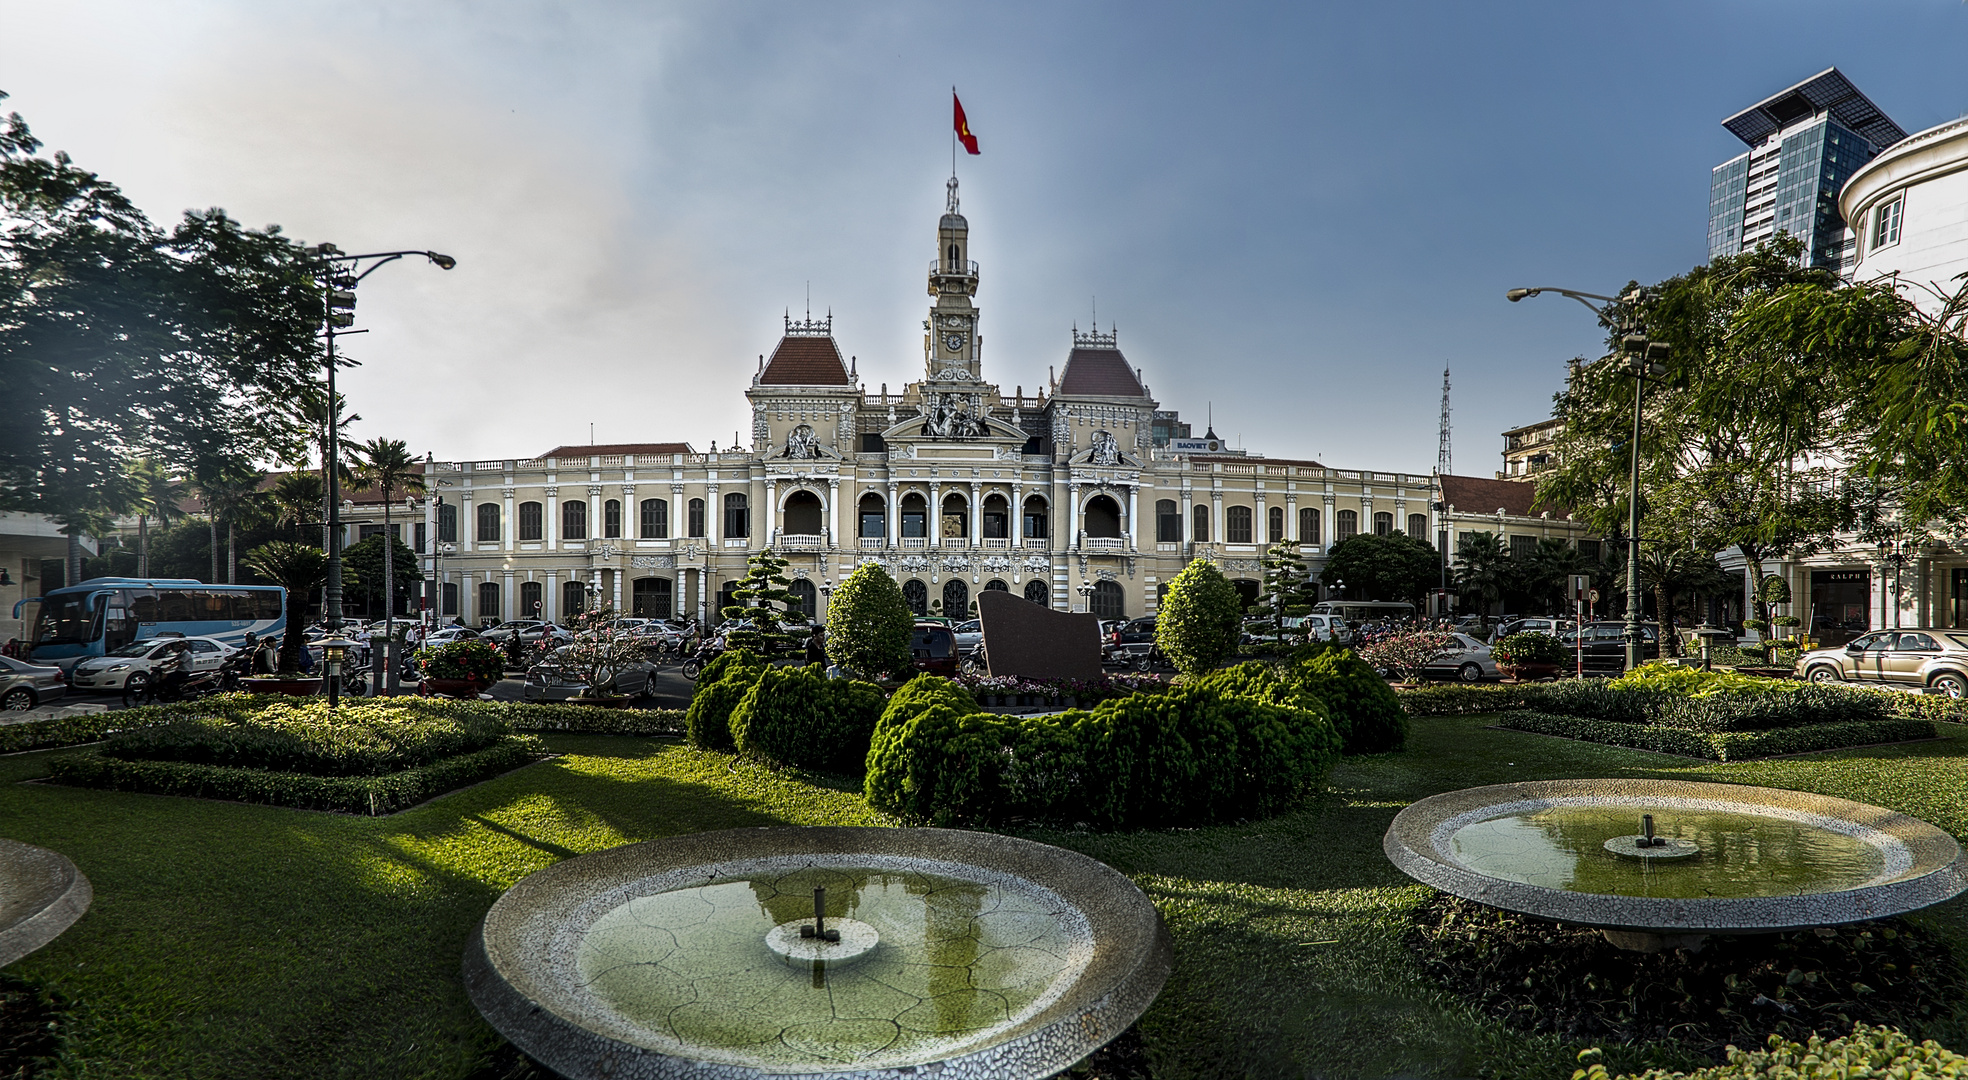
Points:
[[953, 134]]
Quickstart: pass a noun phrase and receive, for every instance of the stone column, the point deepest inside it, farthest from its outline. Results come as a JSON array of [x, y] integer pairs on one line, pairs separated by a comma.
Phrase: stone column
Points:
[[550, 526], [597, 528], [834, 511], [934, 528], [893, 513], [550, 596], [1015, 528], [1188, 522], [1073, 515], [508, 525], [713, 518], [677, 521], [771, 516], [1216, 517], [1291, 518], [467, 524], [1134, 502], [1329, 525], [976, 514], [1260, 521], [618, 591], [507, 599]]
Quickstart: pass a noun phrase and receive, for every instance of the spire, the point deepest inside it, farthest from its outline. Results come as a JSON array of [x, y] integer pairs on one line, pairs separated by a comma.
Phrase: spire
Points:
[[951, 204]]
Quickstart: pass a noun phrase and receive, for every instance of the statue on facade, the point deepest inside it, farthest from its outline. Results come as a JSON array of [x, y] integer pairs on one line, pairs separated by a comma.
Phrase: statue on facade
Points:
[[1106, 451], [801, 443], [947, 417]]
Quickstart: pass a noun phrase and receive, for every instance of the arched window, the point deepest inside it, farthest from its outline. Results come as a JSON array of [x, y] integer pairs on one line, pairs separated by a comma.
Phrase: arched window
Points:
[[1037, 592], [1347, 526], [1274, 524], [1202, 530], [996, 585], [956, 518], [696, 512], [915, 516], [655, 519], [806, 599], [530, 595], [1168, 522], [573, 597], [737, 516], [488, 602], [1108, 600], [1418, 526], [803, 515], [611, 519], [529, 522], [872, 517], [1383, 523], [953, 257], [1237, 525], [1102, 517], [1308, 526], [447, 524], [652, 597], [1035, 518], [956, 598], [916, 595], [488, 523], [574, 520], [997, 518]]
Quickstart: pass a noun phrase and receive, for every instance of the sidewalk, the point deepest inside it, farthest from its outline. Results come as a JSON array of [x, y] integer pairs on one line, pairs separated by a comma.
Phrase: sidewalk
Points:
[[63, 708]]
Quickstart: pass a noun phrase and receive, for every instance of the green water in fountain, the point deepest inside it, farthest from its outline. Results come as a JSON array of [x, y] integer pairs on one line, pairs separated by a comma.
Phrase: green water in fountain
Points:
[[1742, 855], [959, 964]]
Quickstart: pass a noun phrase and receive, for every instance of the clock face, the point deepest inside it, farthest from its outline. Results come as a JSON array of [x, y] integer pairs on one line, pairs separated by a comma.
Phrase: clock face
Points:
[[953, 342]]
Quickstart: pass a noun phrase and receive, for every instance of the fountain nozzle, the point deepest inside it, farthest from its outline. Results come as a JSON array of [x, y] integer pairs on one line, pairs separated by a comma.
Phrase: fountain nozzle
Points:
[[819, 927], [1647, 837]]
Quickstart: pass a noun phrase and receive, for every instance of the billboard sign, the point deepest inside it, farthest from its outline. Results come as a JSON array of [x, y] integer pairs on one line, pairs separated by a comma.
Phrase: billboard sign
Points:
[[1195, 446]]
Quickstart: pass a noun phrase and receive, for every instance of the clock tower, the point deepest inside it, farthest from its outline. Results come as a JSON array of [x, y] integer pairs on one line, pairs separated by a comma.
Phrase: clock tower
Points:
[[951, 346]]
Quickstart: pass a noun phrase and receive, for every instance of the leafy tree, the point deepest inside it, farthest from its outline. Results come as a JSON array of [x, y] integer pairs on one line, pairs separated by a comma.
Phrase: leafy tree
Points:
[[1288, 589], [1196, 624], [1669, 571], [157, 495], [1408, 653], [122, 339], [868, 623], [300, 570], [763, 599], [1392, 567], [231, 493], [386, 467], [1545, 572], [370, 565]]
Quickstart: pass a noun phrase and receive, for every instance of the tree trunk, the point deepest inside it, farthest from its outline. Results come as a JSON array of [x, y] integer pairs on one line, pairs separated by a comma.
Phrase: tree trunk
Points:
[[1664, 615], [232, 555], [212, 524], [72, 566], [143, 545], [389, 598]]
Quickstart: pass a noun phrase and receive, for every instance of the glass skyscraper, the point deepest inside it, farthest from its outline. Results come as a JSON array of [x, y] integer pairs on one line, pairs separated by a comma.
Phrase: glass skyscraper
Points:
[[1803, 145]]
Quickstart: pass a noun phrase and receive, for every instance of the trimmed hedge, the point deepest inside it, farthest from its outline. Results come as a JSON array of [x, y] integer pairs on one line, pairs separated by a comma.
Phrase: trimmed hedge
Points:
[[1719, 745], [1867, 1052], [1464, 699], [797, 716], [1362, 706], [355, 740], [720, 687], [372, 795], [1191, 756]]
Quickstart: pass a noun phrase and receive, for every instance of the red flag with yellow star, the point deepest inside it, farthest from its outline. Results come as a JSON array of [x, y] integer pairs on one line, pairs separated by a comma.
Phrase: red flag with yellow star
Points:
[[963, 126]]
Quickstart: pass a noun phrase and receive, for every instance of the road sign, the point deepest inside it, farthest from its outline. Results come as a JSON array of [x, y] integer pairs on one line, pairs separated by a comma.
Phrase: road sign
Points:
[[1594, 597], [1581, 585]]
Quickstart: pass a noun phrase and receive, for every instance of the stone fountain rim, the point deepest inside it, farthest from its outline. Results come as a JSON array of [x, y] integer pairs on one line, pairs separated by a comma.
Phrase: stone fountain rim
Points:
[[1131, 961], [41, 894], [1938, 870]]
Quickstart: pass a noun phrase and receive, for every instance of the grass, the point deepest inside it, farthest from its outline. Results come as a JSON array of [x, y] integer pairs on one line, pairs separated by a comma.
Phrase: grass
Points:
[[230, 940]]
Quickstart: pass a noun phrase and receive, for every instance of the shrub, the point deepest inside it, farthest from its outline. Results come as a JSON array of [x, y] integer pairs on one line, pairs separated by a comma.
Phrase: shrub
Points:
[[720, 687], [1529, 647], [1694, 682], [470, 659], [1867, 1051], [868, 623], [306, 737], [1407, 654], [937, 765], [1719, 745], [1457, 699], [1196, 624], [796, 716], [1363, 707], [924, 690]]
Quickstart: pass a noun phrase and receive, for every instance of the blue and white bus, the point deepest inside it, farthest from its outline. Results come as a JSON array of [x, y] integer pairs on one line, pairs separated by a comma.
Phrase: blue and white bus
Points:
[[101, 615]]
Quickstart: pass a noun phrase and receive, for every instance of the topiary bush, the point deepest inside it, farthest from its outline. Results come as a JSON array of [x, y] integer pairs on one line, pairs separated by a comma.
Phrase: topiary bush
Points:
[[1364, 710], [937, 765], [720, 687], [1196, 623], [868, 623], [797, 716]]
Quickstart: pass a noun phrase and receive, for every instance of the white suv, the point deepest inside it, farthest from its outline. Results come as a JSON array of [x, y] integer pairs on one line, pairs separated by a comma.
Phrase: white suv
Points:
[[129, 668]]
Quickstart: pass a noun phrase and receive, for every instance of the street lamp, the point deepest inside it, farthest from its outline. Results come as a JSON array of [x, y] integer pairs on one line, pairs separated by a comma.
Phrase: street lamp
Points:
[[1642, 358], [1086, 595], [339, 274], [1895, 552]]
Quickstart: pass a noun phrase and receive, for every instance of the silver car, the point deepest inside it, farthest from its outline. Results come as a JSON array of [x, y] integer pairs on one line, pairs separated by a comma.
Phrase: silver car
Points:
[[1468, 660], [24, 685]]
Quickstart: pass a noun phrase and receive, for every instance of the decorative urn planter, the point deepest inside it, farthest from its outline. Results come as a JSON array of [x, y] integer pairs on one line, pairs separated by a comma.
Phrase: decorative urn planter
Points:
[[294, 686]]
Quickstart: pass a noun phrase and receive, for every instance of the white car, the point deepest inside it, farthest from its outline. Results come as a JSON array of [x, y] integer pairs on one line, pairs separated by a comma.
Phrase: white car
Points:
[[969, 635], [1322, 628], [1468, 660], [448, 635], [129, 667]]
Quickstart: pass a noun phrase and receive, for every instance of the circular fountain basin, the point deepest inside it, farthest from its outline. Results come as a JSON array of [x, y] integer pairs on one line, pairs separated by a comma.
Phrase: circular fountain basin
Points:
[[1739, 859], [41, 895], [973, 954]]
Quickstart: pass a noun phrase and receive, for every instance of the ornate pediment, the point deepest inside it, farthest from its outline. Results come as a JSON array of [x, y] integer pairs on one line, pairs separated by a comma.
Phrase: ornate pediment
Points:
[[1105, 453], [953, 416], [803, 444]]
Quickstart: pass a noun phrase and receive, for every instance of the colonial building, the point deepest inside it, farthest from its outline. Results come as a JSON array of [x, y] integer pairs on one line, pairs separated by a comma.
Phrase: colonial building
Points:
[[953, 486]]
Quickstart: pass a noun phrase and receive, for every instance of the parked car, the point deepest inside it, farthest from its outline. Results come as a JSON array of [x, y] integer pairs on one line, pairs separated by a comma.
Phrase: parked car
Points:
[[548, 680], [24, 685], [448, 634], [1528, 624], [1605, 645], [529, 631], [1324, 628], [1915, 658], [1129, 640], [968, 634], [129, 668], [933, 648], [1468, 661]]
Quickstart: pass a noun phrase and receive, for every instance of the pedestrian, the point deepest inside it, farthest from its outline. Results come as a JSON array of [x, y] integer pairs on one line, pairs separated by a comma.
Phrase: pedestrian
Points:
[[265, 659], [816, 646], [11, 648]]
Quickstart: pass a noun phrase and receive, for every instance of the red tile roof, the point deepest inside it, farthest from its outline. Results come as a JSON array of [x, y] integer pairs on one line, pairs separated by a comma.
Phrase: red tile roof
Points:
[[1476, 495], [805, 360], [651, 448], [1099, 373]]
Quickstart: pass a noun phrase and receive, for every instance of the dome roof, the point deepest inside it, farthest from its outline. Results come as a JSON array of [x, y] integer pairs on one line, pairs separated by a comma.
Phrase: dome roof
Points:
[[953, 221]]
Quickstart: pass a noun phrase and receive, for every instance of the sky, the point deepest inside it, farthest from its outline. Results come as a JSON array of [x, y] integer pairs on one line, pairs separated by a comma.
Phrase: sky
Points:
[[1294, 214]]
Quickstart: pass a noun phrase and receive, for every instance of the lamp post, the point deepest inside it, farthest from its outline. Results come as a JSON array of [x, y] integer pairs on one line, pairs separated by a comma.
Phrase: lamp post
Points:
[[339, 274], [1642, 358], [1895, 552], [1085, 589]]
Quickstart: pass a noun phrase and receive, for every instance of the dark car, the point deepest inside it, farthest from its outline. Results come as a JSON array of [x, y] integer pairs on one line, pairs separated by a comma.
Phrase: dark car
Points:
[[1130, 640], [1605, 645], [933, 647], [24, 685]]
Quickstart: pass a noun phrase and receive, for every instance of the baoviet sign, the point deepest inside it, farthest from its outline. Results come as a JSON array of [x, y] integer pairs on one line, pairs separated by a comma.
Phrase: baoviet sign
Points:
[[1195, 446]]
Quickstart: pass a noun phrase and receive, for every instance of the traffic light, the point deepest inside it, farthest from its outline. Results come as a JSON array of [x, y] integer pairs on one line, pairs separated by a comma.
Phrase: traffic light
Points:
[[341, 307]]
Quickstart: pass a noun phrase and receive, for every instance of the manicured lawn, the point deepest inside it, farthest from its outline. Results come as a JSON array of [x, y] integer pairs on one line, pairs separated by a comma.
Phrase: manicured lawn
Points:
[[236, 941]]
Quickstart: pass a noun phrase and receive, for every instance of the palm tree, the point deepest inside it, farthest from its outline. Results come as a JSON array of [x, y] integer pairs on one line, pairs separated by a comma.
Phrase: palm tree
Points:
[[157, 496], [386, 466], [1548, 568], [231, 494], [1668, 571], [311, 409], [301, 570], [297, 499], [1483, 569]]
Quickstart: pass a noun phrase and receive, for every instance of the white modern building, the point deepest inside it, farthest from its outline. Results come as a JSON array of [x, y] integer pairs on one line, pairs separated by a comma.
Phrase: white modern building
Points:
[[1908, 208]]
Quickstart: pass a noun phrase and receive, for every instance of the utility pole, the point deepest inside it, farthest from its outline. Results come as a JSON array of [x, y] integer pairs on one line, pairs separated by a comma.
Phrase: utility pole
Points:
[[1443, 465]]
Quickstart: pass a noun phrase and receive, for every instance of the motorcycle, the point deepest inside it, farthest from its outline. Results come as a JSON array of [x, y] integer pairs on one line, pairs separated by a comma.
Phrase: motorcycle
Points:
[[706, 652], [974, 664]]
